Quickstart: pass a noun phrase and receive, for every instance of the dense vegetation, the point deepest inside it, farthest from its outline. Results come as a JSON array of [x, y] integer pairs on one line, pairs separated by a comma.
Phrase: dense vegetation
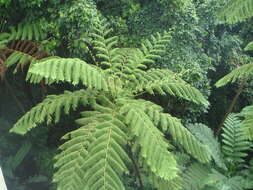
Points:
[[126, 94]]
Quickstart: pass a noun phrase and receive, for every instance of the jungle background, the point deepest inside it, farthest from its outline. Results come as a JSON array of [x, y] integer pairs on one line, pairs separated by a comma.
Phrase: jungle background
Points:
[[202, 49]]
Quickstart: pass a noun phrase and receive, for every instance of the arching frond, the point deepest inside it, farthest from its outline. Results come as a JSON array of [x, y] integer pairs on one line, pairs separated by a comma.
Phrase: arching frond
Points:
[[236, 11], [69, 161], [27, 31], [164, 82], [152, 49], [206, 136], [247, 123], [234, 141], [107, 159], [220, 181], [180, 134], [103, 46], [154, 148], [70, 70], [50, 109], [4, 39], [242, 72], [249, 47], [161, 184], [169, 124], [21, 53], [194, 176]]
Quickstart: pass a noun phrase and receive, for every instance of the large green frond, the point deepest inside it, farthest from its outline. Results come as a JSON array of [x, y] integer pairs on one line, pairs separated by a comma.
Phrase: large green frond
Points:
[[247, 123], [164, 82], [106, 55], [177, 88], [107, 159], [27, 31], [153, 49], [249, 46], [194, 176], [206, 136], [21, 53], [235, 144], [50, 109], [220, 181], [180, 134], [236, 11], [71, 158], [154, 148], [70, 70], [161, 184], [243, 72]]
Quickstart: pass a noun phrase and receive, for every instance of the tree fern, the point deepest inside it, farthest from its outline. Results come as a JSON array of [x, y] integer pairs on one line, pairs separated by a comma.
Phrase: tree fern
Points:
[[95, 155], [236, 11]]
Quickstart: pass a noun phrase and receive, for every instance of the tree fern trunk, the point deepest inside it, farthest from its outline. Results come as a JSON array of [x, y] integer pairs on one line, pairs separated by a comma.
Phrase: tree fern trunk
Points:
[[231, 106]]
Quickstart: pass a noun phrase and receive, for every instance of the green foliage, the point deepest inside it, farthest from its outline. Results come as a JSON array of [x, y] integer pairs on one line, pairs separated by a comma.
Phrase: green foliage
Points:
[[236, 11], [114, 118], [241, 73], [247, 122], [70, 70], [123, 139], [234, 141], [232, 171], [51, 108], [249, 47], [206, 136]]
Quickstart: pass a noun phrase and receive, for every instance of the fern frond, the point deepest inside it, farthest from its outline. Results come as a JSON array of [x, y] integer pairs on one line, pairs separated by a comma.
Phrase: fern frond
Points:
[[180, 134], [170, 125], [70, 70], [21, 52], [194, 177], [177, 89], [50, 109], [249, 47], [153, 49], [107, 159], [154, 148], [69, 161], [206, 136], [27, 31], [14, 161], [242, 72], [220, 181], [234, 141], [236, 11], [4, 39], [161, 184], [247, 122], [103, 45]]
